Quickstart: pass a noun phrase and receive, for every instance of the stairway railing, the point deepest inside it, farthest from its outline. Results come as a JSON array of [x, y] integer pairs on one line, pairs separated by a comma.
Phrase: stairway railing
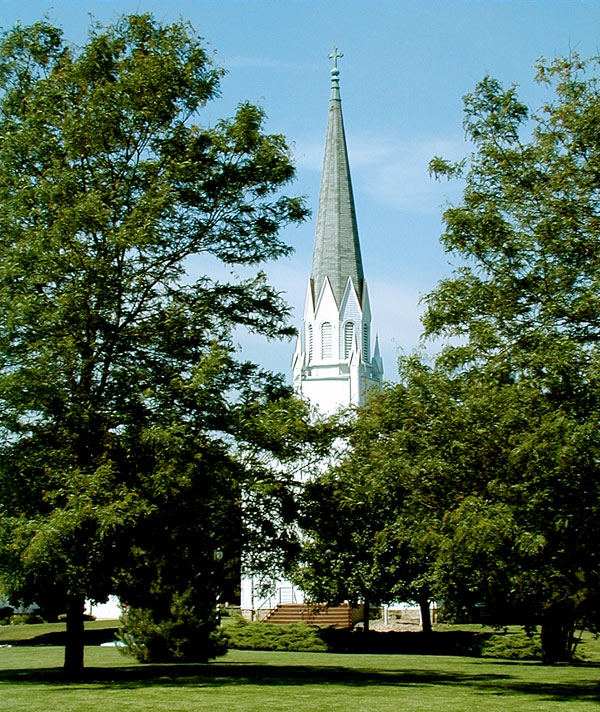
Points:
[[281, 596]]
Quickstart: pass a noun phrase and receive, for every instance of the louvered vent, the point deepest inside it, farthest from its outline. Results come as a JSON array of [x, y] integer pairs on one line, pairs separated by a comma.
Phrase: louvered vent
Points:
[[326, 340], [348, 338]]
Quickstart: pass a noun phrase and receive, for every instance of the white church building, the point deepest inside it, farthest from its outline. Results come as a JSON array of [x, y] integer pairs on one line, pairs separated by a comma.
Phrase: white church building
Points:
[[335, 362]]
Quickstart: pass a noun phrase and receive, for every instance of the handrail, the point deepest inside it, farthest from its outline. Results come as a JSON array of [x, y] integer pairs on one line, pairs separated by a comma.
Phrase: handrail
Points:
[[270, 602]]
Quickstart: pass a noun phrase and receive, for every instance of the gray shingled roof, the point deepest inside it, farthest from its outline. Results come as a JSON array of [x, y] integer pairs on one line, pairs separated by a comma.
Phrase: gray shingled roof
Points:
[[337, 250]]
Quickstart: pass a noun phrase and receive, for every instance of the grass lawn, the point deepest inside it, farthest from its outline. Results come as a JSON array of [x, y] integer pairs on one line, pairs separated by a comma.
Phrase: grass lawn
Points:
[[30, 681]]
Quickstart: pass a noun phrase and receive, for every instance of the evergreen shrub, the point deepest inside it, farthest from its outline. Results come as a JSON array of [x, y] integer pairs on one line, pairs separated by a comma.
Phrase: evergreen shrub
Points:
[[26, 619], [300, 637], [182, 634], [512, 646]]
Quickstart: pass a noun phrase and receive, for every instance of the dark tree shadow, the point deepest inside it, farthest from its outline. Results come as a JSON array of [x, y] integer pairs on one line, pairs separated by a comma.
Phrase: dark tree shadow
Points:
[[93, 636], [225, 674]]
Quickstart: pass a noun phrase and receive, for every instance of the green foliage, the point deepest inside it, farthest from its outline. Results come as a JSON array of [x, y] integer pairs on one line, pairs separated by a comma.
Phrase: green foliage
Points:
[[477, 478], [512, 646], [185, 633], [25, 619], [264, 636], [525, 304], [284, 438], [528, 224], [345, 554], [373, 523], [123, 407]]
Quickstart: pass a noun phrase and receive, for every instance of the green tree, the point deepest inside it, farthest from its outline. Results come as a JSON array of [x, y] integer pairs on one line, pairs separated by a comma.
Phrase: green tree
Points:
[[528, 225], [525, 306], [285, 443], [405, 436], [372, 523], [343, 553], [213, 509], [518, 536], [119, 390], [469, 487]]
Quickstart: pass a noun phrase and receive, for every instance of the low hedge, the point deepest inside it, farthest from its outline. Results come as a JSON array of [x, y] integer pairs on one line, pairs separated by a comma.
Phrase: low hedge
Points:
[[302, 637], [512, 646]]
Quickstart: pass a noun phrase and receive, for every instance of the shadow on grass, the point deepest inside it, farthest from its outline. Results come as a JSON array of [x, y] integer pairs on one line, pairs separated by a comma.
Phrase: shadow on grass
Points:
[[223, 675], [94, 636]]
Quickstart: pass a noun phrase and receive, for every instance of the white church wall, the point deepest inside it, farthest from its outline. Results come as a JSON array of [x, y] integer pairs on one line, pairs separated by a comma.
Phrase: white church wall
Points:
[[327, 393], [110, 610]]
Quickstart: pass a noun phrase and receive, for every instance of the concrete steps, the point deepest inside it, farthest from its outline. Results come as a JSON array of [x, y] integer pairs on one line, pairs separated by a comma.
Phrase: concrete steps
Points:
[[337, 616]]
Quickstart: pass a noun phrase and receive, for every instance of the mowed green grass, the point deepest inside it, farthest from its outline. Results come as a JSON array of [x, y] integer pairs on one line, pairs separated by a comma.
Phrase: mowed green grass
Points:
[[30, 680]]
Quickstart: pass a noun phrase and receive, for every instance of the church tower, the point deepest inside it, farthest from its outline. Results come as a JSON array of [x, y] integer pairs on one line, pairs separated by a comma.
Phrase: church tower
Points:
[[334, 365]]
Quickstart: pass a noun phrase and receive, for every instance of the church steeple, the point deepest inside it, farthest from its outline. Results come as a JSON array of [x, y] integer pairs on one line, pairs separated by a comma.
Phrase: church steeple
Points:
[[333, 364], [336, 253]]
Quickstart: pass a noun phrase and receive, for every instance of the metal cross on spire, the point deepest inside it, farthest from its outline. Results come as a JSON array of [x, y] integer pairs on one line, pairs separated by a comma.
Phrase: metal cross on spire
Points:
[[335, 55], [335, 73]]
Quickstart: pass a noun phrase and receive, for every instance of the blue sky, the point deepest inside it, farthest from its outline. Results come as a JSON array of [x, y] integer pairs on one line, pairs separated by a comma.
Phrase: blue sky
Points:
[[405, 68]]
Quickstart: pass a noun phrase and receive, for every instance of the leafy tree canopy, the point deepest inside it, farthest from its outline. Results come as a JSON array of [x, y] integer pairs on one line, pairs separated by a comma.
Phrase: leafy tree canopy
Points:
[[528, 225], [121, 401], [477, 477], [525, 306]]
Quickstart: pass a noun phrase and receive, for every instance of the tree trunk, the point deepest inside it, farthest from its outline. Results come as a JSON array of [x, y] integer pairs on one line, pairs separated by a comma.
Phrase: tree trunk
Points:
[[366, 615], [425, 613], [73, 667], [558, 632]]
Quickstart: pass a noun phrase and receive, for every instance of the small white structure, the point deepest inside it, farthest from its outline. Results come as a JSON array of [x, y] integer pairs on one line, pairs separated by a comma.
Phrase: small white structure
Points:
[[110, 610]]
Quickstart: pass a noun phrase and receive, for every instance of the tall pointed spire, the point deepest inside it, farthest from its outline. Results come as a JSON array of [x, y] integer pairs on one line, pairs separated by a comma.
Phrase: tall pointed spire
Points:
[[336, 253], [333, 365]]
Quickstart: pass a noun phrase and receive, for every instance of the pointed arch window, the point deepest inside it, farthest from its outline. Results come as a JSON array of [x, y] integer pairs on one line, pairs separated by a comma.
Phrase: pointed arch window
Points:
[[348, 338], [326, 340], [366, 342], [310, 342]]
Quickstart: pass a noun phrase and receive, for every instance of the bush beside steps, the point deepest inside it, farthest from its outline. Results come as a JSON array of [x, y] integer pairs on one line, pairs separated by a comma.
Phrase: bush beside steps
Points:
[[301, 637]]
